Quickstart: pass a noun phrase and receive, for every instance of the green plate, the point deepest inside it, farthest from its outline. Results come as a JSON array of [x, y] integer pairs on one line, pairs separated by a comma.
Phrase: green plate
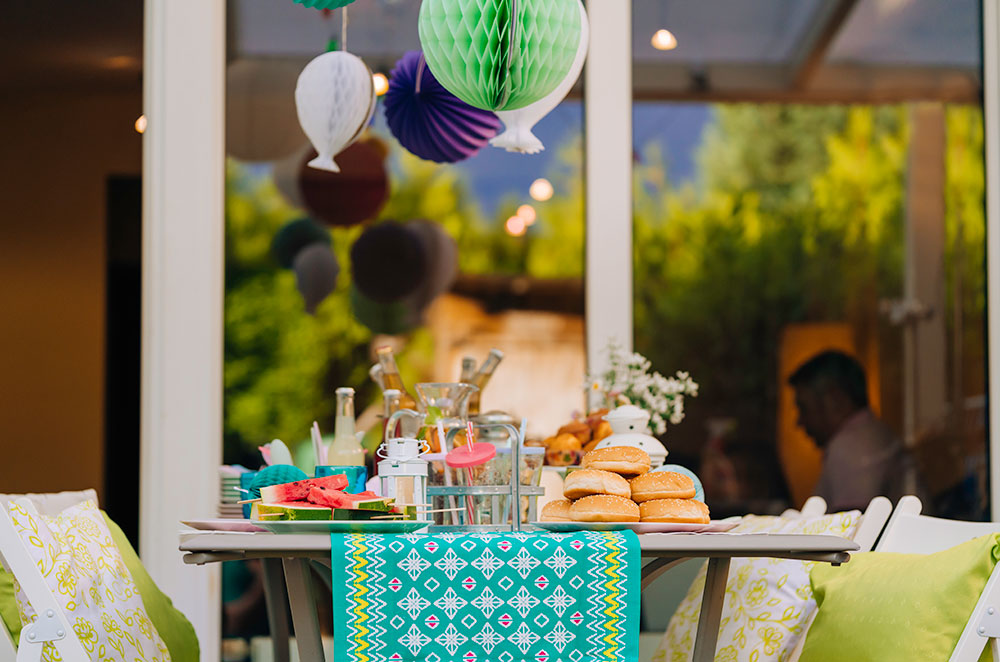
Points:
[[346, 526]]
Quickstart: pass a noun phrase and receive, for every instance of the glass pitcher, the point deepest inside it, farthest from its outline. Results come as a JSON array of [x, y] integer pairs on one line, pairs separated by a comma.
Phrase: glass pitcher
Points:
[[444, 402]]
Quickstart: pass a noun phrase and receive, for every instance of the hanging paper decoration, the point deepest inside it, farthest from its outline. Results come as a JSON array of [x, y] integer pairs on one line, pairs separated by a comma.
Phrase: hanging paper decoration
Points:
[[500, 54], [430, 121], [316, 272], [260, 109], [442, 260], [335, 99], [518, 136], [354, 195], [324, 4], [388, 318], [295, 236], [388, 262]]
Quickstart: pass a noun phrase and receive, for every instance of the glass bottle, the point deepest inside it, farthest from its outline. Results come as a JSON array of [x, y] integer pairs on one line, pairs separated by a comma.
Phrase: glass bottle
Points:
[[468, 369], [390, 405], [391, 378], [375, 372], [345, 449], [482, 378]]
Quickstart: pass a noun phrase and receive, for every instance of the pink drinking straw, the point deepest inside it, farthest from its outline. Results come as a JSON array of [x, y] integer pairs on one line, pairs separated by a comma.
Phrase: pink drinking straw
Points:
[[468, 470]]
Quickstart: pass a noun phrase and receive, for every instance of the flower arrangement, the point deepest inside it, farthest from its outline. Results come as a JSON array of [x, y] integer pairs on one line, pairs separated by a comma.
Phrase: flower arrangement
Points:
[[628, 380]]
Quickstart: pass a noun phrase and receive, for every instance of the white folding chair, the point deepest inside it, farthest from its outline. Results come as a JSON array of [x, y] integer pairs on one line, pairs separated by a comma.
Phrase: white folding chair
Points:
[[51, 626], [815, 506], [47, 504], [910, 532]]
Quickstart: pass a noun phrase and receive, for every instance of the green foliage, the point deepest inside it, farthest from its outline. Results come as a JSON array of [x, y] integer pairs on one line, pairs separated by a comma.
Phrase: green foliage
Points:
[[797, 217], [281, 364]]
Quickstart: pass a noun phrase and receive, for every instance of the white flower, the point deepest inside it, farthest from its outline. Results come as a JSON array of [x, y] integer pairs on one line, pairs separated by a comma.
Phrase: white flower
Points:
[[629, 380]]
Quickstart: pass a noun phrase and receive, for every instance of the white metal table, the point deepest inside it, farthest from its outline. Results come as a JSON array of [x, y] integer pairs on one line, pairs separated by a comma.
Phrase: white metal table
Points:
[[291, 554]]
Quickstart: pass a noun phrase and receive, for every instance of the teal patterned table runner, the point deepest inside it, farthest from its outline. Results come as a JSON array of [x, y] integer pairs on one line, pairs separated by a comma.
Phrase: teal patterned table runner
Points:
[[480, 597]]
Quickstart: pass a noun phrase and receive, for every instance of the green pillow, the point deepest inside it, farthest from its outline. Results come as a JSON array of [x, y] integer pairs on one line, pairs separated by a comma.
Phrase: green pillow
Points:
[[8, 605], [886, 607], [175, 630]]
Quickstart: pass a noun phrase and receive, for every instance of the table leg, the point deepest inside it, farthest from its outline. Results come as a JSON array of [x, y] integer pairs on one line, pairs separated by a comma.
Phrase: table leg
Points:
[[277, 614], [303, 604], [652, 570], [711, 610]]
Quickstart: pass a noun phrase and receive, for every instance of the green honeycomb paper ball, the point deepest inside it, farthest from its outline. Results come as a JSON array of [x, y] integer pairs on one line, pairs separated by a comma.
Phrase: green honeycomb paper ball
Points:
[[468, 47], [324, 4]]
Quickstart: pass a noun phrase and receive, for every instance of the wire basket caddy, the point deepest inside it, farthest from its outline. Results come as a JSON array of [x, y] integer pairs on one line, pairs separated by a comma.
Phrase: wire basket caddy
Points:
[[485, 507]]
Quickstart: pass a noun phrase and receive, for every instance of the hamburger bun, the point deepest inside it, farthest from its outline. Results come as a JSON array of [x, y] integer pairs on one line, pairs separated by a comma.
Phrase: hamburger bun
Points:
[[589, 481], [556, 511], [675, 511], [604, 508], [626, 460], [661, 485]]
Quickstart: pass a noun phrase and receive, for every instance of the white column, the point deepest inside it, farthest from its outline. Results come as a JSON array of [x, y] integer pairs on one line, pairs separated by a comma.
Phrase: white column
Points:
[[182, 290], [991, 115], [608, 104]]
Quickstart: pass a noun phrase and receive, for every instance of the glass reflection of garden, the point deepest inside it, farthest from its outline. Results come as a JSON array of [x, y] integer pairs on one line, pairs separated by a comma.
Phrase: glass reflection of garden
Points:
[[789, 214]]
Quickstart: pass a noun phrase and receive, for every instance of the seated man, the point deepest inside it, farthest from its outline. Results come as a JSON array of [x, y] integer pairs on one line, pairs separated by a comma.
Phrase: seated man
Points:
[[862, 458]]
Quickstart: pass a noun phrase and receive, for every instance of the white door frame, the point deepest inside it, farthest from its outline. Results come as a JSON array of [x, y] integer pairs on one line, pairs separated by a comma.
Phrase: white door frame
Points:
[[608, 155], [182, 292], [991, 120]]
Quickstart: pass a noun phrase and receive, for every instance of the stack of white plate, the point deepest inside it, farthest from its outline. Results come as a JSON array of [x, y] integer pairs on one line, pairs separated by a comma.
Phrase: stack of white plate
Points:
[[229, 495]]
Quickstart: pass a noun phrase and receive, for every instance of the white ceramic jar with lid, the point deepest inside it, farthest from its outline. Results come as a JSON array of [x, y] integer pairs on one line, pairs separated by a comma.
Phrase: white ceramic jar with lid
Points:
[[630, 427]]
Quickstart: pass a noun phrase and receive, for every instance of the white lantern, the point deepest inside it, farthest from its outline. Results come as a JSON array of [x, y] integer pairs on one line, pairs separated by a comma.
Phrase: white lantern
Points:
[[403, 474], [518, 136], [335, 100], [630, 426]]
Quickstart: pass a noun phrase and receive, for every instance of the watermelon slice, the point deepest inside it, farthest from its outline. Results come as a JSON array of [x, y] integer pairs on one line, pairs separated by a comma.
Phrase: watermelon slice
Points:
[[299, 490], [338, 499], [293, 510]]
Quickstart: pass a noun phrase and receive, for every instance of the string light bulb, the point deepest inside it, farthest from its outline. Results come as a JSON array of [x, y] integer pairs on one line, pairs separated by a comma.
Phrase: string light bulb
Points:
[[541, 190], [515, 226], [664, 40], [527, 214], [140, 124], [381, 84]]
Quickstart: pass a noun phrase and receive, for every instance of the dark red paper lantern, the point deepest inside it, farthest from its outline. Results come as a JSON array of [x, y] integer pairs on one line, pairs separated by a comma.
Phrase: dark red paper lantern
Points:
[[355, 194]]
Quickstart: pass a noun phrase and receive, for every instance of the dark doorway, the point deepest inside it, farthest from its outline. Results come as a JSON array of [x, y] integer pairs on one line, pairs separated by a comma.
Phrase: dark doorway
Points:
[[123, 353]]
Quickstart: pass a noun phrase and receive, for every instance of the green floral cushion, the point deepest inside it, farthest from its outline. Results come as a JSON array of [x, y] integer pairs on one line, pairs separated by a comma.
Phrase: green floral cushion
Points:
[[175, 630], [888, 607], [82, 567], [768, 601]]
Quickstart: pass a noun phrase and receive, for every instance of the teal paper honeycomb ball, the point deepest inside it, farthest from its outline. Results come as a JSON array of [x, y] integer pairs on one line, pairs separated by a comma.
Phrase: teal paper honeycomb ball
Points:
[[276, 474], [324, 4], [468, 47]]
